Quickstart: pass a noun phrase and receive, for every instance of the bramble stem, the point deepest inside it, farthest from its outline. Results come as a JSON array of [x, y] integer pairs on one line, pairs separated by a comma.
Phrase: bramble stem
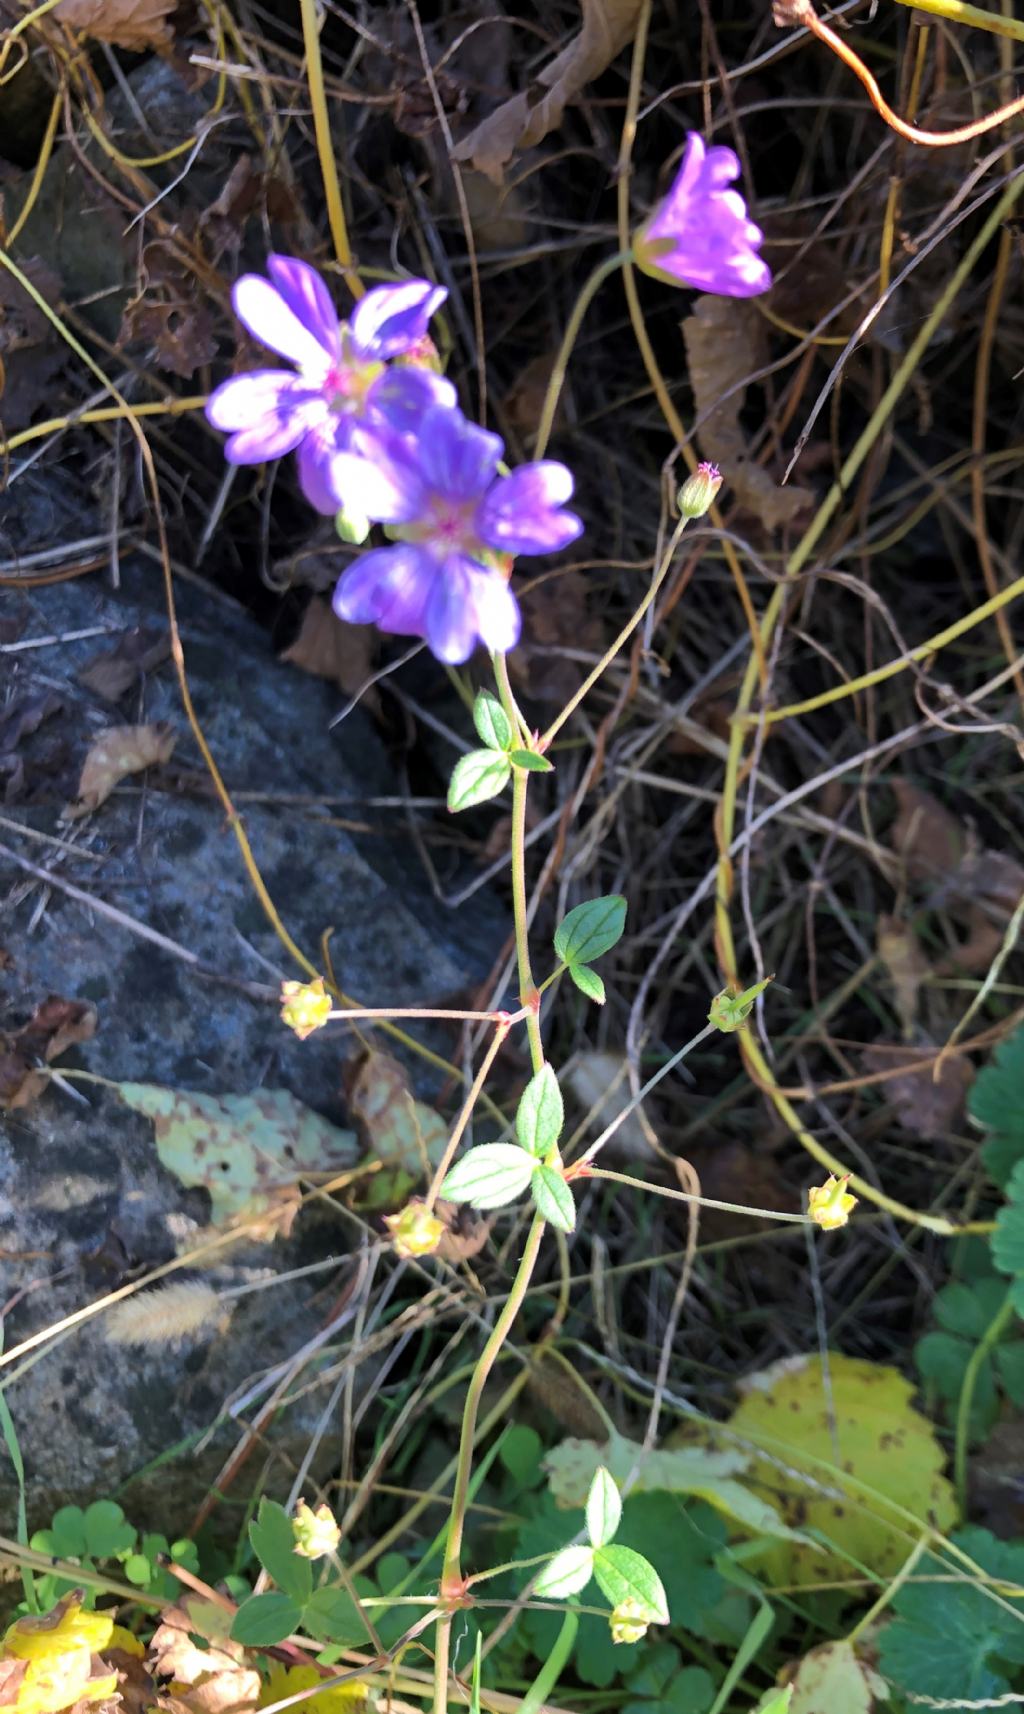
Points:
[[572, 332]]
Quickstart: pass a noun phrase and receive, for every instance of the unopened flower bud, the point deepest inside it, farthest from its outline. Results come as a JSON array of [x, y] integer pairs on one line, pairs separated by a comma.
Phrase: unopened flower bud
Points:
[[316, 1533], [305, 1006], [829, 1204], [729, 1012], [415, 1231], [699, 490], [629, 1621]]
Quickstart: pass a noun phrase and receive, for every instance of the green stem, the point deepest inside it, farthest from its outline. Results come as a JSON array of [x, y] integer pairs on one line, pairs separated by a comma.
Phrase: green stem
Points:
[[627, 631], [991, 1336], [572, 332], [528, 994]]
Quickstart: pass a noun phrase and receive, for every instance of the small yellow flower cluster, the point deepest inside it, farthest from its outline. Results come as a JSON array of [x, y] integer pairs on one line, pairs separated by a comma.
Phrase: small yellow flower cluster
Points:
[[316, 1533], [305, 1006], [629, 1621], [59, 1650], [829, 1204]]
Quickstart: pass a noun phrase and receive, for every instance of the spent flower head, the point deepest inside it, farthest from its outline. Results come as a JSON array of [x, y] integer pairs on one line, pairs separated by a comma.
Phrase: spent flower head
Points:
[[305, 1006], [629, 1620], [343, 372], [316, 1533], [415, 1231], [699, 234], [830, 1204], [457, 524]]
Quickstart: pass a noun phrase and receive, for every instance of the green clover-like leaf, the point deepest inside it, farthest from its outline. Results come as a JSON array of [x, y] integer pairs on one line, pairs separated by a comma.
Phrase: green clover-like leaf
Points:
[[476, 777], [490, 1176], [591, 929], [541, 1114]]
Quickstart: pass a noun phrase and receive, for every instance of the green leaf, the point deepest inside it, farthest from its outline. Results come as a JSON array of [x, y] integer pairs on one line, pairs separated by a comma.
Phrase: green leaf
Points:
[[273, 1543], [569, 1572], [960, 1308], [267, 1619], [942, 1358], [521, 1451], [107, 1533], [552, 1198], [591, 929], [604, 1509], [588, 982], [624, 1575], [775, 1701], [948, 1630], [331, 1614], [540, 1115], [492, 723], [530, 760], [67, 1533], [490, 1176], [476, 777], [1008, 1237], [1009, 1362], [138, 1569], [996, 1102]]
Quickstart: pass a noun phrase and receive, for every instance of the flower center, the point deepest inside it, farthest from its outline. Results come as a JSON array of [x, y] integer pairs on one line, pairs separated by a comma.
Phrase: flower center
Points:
[[347, 383]]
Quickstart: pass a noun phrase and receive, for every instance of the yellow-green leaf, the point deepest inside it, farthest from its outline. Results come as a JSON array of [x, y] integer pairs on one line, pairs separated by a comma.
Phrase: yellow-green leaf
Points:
[[831, 1680]]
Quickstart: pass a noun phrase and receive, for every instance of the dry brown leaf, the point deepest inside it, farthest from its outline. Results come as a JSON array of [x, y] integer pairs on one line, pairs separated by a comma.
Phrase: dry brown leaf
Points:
[[406, 1134], [116, 753], [112, 674], [724, 344], [133, 24], [31, 353], [173, 1654], [907, 967], [925, 1107], [466, 1232], [522, 121], [135, 1688], [328, 647], [930, 840], [53, 1027], [555, 617]]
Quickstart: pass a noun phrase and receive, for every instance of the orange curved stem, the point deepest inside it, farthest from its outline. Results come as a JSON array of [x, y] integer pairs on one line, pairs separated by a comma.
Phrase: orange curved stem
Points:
[[801, 12]]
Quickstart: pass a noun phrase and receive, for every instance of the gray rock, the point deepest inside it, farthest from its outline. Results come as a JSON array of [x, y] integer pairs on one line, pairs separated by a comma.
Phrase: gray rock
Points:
[[84, 1200]]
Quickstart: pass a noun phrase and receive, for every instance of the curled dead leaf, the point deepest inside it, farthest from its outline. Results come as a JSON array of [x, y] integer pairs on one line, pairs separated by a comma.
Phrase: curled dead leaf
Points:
[[116, 753], [328, 647], [930, 840], [113, 673], [55, 1026], [724, 340], [906, 964], [466, 1232], [211, 1680], [133, 24], [926, 1106], [524, 120]]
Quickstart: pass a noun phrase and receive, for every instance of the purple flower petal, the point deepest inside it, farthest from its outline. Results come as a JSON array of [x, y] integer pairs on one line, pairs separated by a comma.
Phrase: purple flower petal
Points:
[[245, 399], [402, 396], [468, 604], [389, 587], [497, 611], [459, 459], [309, 300], [380, 477], [315, 462], [392, 319], [262, 309], [699, 235], [289, 413], [522, 513]]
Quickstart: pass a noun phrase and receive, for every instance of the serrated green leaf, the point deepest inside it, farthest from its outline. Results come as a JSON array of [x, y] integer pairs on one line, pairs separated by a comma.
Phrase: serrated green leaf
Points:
[[996, 1102], [492, 723], [540, 1114], [569, 1572], [490, 1176], [1008, 1237], [107, 1531], [553, 1199], [588, 982], [949, 1630], [476, 777], [265, 1620], [273, 1543], [604, 1509], [959, 1308], [530, 760], [591, 929], [1009, 1363], [942, 1358], [624, 1575]]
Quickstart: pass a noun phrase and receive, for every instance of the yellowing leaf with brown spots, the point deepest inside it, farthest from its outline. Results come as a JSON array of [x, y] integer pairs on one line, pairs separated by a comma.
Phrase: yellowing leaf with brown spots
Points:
[[831, 1680], [850, 1458], [116, 753], [248, 1151], [405, 1133]]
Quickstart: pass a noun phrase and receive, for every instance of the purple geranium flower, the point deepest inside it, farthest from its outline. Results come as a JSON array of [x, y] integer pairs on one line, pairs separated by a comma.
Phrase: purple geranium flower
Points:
[[699, 234], [343, 374], [458, 524]]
